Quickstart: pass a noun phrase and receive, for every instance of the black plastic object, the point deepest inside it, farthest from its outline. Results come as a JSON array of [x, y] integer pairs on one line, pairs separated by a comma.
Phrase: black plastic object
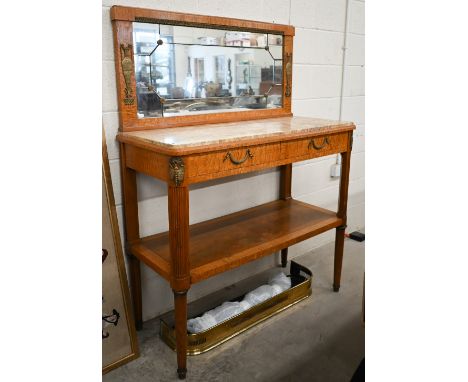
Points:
[[358, 236]]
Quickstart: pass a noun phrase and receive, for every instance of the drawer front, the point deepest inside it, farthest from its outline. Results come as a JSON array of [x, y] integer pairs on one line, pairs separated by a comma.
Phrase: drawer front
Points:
[[315, 147], [233, 159]]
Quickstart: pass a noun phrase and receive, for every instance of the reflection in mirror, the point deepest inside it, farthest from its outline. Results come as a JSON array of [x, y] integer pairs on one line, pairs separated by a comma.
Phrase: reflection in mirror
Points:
[[183, 70]]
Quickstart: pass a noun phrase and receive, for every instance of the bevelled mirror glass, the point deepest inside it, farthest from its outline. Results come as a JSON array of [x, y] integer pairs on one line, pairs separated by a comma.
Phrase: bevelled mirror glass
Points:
[[182, 70]]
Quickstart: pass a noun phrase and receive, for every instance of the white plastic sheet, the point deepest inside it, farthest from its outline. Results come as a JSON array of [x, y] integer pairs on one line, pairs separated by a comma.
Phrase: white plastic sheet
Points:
[[276, 284]]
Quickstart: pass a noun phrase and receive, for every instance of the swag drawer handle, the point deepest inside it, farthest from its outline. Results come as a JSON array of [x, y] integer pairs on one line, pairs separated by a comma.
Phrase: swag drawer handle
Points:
[[235, 161], [325, 142]]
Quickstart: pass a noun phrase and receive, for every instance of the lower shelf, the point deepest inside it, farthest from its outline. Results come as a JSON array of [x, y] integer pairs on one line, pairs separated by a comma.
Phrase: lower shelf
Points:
[[301, 288], [230, 241]]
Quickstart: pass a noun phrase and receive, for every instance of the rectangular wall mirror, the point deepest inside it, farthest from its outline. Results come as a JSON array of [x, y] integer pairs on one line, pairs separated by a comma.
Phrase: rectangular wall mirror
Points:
[[177, 69]]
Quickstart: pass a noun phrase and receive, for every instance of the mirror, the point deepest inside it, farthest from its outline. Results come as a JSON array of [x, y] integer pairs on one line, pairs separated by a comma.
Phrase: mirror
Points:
[[182, 70]]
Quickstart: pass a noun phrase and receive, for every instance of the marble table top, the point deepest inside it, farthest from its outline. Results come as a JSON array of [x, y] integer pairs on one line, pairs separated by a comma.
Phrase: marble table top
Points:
[[234, 132]]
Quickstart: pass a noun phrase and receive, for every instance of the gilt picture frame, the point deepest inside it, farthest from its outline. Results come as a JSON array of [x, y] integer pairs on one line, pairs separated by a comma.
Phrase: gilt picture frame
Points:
[[119, 340]]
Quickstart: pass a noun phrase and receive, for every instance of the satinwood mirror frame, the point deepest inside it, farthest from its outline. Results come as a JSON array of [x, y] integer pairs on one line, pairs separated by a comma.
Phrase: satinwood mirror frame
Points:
[[122, 22]]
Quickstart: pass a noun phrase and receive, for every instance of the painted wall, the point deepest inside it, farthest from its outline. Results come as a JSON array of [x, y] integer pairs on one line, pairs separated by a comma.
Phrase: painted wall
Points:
[[317, 81]]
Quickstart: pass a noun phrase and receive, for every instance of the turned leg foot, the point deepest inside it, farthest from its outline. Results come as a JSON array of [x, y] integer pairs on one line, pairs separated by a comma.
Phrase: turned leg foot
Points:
[[336, 288], [182, 372]]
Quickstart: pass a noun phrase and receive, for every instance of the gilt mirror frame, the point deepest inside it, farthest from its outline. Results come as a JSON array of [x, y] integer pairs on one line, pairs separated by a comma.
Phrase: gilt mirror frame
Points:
[[122, 23]]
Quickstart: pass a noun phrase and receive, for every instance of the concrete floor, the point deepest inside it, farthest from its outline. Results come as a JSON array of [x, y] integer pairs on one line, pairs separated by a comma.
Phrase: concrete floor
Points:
[[319, 339]]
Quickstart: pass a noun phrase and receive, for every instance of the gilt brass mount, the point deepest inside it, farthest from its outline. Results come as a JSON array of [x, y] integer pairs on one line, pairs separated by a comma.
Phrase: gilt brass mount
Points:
[[126, 53], [288, 74], [176, 170], [247, 155], [319, 147]]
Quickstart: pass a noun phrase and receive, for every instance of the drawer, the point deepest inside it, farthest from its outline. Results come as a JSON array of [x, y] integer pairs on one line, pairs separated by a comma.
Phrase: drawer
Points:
[[233, 160], [315, 147]]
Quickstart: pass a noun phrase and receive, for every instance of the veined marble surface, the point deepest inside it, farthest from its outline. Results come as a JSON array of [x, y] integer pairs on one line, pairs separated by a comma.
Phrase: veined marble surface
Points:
[[210, 134]]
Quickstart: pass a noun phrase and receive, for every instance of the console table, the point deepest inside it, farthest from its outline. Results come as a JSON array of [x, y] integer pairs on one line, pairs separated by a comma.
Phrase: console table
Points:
[[187, 254]]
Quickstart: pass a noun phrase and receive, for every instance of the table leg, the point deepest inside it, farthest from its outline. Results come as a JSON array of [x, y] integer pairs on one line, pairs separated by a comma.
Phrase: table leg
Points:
[[135, 281], [180, 303], [342, 207], [130, 199], [285, 194], [180, 281], [132, 232], [284, 257], [339, 247]]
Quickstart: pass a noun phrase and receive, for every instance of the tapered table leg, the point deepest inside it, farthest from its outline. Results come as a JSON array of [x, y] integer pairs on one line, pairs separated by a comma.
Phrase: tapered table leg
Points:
[[135, 281], [342, 208], [180, 281], [339, 247], [285, 194], [284, 257], [180, 303]]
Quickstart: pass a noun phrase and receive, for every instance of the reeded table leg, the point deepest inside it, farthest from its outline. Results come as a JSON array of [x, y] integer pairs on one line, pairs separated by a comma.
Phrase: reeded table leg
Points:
[[342, 207], [285, 194], [180, 282]]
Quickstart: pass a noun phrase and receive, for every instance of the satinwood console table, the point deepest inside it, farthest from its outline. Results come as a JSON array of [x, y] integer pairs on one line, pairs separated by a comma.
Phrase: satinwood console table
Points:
[[184, 156], [205, 97]]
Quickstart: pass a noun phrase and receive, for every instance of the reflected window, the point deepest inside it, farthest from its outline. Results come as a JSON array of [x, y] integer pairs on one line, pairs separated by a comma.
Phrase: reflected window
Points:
[[155, 74], [183, 70]]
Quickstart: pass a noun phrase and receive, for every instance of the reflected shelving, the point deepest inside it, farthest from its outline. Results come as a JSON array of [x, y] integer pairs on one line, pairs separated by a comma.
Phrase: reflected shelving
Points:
[[181, 70]]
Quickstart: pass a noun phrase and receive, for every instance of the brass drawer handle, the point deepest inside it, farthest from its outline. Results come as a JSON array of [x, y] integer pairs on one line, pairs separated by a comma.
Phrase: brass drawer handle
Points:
[[246, 156], [325, 142]]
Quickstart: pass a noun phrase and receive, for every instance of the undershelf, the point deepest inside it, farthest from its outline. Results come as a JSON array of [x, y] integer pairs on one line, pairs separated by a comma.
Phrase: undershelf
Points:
[[230, 241]]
